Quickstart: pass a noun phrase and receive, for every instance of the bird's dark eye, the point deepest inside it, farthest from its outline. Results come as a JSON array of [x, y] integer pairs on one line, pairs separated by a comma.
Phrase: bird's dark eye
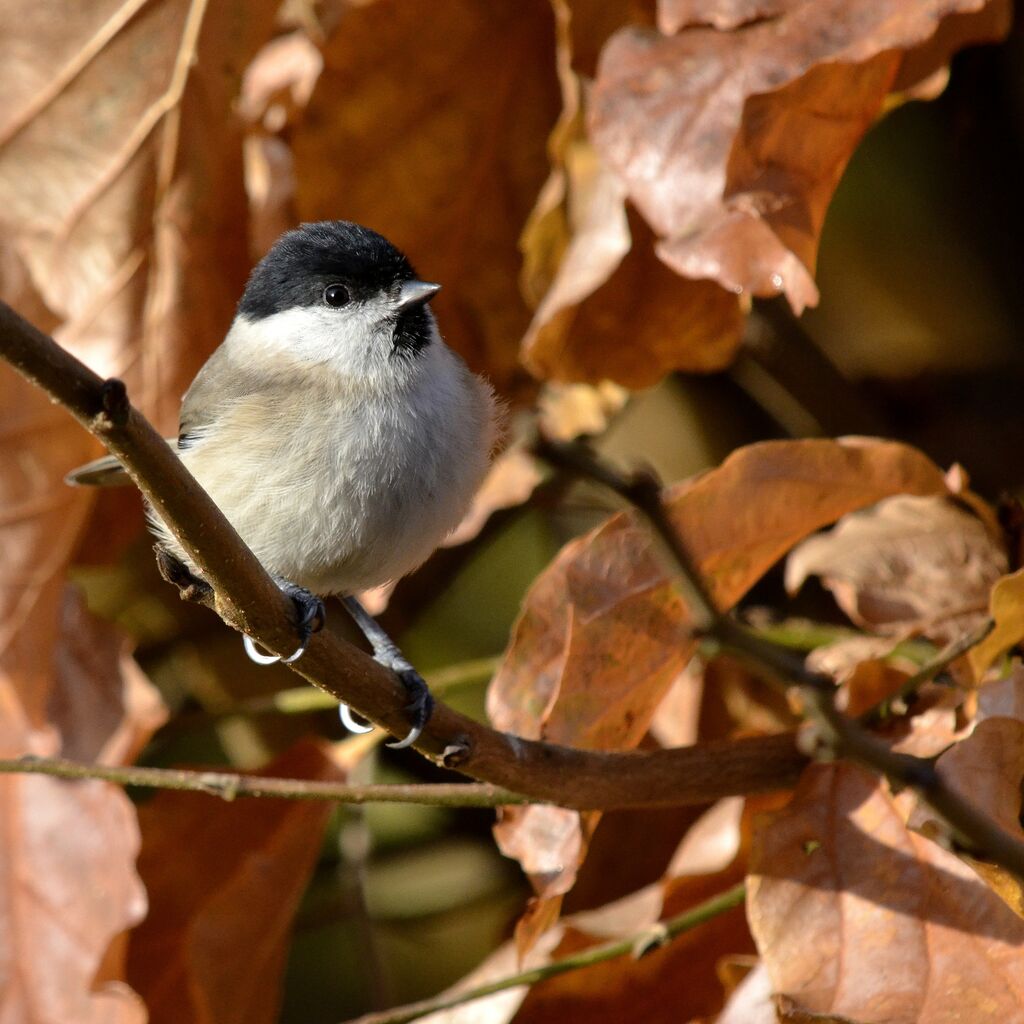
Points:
[[336, 295]]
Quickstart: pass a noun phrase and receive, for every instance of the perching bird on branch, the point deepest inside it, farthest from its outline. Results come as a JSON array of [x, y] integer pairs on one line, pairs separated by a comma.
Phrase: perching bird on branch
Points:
[[334, 428]]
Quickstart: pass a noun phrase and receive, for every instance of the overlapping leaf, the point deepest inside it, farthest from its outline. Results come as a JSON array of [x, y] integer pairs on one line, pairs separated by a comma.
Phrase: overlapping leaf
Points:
[[860, 918], [224, 882], [603, 633], [429, 130], [119, 158], [909, 564], [68, 884], [731, 143]]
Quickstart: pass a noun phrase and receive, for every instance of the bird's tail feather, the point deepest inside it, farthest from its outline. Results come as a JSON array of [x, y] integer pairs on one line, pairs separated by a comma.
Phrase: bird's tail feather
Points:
[[103, 472]]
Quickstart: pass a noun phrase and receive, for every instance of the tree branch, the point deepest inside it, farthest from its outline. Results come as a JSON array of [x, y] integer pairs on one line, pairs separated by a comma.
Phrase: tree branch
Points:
[[247, 599], [229, 785], [836, 735], [638, 945]]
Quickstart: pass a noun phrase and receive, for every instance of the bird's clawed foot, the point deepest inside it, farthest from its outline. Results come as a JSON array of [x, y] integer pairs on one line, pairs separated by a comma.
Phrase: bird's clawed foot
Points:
[[310, 616], [190, 586], [386, 653], [420, 705]]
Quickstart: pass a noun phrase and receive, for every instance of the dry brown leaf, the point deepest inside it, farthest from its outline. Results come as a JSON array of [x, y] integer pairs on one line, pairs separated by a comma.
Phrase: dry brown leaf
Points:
[[224, 880], [987, 768], [843, 894], [428, 129], [591, 270], [675, 983], [1003, 698], [117, 154], [275, 90], [68, 884], [676, 719], [1006, 607], [674, 15], [909, 564], [751, 1003], [509, 482], [606, 607], [731, 144], [502, 1006], [713, 842], [603, 632], [868, 685], [567, 411], [840, 658], [928, 733]]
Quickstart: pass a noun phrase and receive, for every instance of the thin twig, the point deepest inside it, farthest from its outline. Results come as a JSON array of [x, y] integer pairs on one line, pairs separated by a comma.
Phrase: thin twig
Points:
[[229, 785], [638, 945], [835, 734], [249, 600]]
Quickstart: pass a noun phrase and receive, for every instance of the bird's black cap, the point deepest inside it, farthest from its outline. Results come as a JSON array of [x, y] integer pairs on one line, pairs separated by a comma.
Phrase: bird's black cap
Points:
[[305, 261]]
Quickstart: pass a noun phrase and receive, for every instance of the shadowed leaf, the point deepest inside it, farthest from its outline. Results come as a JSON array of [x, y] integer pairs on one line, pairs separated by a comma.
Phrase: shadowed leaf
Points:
[[843, 894], [428, 129], [68, 885], [224, 880]]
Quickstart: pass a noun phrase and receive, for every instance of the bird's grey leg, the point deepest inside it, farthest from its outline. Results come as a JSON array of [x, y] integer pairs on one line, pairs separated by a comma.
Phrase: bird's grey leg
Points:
[[386, 653]]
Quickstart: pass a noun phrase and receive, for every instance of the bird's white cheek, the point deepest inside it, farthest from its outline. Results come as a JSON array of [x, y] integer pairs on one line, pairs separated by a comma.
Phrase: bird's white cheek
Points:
[[313, 335]]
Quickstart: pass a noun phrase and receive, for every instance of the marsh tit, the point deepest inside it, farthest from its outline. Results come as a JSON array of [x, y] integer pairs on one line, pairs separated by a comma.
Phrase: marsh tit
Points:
[[334, 428]]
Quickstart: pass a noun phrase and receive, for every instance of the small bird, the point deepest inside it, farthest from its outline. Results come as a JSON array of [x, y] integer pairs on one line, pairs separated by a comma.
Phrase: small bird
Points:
[[335, 429]]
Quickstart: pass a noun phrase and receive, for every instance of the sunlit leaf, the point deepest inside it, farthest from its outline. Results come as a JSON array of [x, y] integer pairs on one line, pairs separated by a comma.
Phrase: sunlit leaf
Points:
[[843, 895]]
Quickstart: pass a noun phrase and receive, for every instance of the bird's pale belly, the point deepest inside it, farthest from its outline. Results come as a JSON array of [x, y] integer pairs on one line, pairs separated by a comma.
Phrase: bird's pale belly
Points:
[[364, 513]]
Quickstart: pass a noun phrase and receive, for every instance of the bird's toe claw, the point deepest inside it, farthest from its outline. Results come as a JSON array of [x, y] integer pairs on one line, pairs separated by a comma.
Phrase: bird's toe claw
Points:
[[419, 708], [353, 722], [310, 616]]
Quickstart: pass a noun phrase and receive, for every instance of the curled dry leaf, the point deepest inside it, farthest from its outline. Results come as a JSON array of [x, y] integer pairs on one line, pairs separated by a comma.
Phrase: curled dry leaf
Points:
[[909, 564], [219, 874], [464, 133], [842, 894], [1006, 607], [604, 633], [590, 267], [731, 143]]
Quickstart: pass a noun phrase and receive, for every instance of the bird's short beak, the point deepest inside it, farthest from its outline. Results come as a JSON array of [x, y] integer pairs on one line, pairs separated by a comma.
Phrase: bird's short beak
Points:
[[416, 293]]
